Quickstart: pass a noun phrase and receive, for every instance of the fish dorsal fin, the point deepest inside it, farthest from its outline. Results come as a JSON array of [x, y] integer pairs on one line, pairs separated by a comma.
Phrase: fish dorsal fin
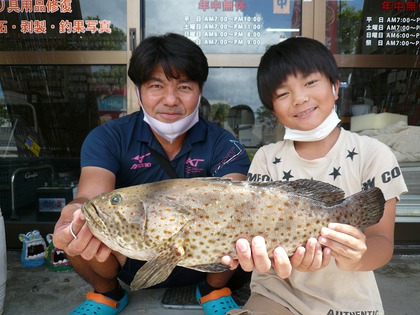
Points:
[[158, 268], [309, 188]]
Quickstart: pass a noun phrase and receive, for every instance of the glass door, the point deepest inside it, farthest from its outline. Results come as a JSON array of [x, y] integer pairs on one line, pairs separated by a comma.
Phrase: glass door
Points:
[[376, 44], [63, 71]]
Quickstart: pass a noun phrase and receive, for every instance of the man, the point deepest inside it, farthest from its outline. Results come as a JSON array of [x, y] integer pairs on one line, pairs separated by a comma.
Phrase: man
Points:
[[169, 72]]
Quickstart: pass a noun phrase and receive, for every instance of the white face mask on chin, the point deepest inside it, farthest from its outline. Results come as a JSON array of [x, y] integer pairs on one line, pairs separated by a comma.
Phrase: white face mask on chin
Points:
[[171, 131], [317, 134]]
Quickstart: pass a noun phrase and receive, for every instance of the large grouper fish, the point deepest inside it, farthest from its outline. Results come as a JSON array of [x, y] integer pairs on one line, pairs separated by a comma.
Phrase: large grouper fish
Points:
[[194, 222]]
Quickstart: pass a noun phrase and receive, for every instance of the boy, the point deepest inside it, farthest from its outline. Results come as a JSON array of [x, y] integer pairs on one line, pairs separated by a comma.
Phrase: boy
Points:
[[298, 81]]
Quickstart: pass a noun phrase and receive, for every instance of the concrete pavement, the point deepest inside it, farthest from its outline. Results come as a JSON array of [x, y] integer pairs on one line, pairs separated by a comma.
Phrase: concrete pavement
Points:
[[41, 291]]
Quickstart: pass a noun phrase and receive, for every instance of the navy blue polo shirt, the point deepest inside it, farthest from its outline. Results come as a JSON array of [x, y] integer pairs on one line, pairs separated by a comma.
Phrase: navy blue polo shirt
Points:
[[122, 146]]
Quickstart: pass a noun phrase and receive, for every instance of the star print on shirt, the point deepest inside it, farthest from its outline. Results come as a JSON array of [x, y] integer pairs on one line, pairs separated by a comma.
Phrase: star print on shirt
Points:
[[276, 160], [335, 172], [287, 175], [351, 154]]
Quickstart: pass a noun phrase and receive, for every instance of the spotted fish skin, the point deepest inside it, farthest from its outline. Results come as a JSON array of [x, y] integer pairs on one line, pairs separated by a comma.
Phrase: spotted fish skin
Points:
[[194, 222]]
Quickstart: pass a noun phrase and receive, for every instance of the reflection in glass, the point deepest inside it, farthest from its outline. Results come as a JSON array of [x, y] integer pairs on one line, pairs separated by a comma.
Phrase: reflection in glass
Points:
[[234, 105], [374, 91], [84, 25], [241, 26], [233, 100], [47, 111], [372, 27]]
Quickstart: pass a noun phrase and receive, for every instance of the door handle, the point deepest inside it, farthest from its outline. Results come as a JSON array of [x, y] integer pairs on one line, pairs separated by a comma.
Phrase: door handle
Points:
[[132, 39]]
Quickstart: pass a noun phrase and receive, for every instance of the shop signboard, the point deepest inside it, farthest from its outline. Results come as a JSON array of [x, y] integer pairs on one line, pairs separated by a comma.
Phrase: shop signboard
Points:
[[62, 25]]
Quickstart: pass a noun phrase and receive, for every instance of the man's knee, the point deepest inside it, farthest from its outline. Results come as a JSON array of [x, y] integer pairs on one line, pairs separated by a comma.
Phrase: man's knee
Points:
[[108, 269]]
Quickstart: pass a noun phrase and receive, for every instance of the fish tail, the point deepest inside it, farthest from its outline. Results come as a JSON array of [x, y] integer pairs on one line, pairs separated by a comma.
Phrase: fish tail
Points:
[[365, 208]]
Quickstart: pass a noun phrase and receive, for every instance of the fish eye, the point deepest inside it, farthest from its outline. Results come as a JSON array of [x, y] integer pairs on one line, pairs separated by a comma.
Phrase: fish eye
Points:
[[116, 199]]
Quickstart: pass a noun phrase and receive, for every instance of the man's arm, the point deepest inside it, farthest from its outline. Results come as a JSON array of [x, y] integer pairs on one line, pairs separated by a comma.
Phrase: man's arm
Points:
[[93, 181], [235, 176]]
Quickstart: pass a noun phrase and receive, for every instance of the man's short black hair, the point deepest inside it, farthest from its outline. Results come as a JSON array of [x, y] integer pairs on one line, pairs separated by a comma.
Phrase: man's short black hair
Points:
[[176, 54], [297, 55]]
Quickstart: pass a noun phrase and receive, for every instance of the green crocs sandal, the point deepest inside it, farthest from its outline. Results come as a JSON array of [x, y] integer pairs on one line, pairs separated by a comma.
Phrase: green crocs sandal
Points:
[[99, 304], [216, 302]]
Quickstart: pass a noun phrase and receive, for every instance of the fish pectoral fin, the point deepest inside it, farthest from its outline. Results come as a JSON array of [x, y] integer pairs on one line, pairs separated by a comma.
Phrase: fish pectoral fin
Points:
[[214, 267], [158, 269]]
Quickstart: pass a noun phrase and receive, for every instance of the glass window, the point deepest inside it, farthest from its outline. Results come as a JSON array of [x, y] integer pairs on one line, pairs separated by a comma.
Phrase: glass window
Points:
[[63, 72], [238, 109], [63, 25], [384, 103], [373, 27], [47, 110], [375, 91], [225, 26], [393, 92], [362, 91]]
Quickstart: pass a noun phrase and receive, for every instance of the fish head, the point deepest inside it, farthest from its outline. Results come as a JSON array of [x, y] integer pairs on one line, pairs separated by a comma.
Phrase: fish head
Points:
[[134, 223]]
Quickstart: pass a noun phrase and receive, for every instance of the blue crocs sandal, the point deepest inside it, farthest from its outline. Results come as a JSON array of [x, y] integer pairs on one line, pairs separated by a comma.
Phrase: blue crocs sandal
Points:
[[217, 301], [97, 303]]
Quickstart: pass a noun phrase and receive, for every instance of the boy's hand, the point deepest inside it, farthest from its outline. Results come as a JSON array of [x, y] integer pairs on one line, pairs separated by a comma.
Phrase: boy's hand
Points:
[[311, 257], [347, 244], [308, 258], [256, 256]]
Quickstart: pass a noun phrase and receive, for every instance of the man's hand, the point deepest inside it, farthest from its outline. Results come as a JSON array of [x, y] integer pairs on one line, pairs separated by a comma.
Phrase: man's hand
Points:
[[86, 245]]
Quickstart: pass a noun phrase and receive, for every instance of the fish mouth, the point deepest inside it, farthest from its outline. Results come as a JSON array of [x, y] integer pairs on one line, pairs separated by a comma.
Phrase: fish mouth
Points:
[[92, 213]]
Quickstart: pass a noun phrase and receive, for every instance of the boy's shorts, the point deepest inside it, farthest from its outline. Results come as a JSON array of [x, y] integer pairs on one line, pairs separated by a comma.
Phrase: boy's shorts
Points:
[[260, 305]]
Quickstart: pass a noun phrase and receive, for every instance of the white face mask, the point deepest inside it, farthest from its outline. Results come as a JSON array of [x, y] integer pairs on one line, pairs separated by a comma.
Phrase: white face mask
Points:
[[171, 131], [317, 134]]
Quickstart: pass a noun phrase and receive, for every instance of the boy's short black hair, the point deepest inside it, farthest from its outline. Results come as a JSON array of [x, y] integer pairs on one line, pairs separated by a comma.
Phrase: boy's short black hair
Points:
[[297, 55], [177, 55]]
